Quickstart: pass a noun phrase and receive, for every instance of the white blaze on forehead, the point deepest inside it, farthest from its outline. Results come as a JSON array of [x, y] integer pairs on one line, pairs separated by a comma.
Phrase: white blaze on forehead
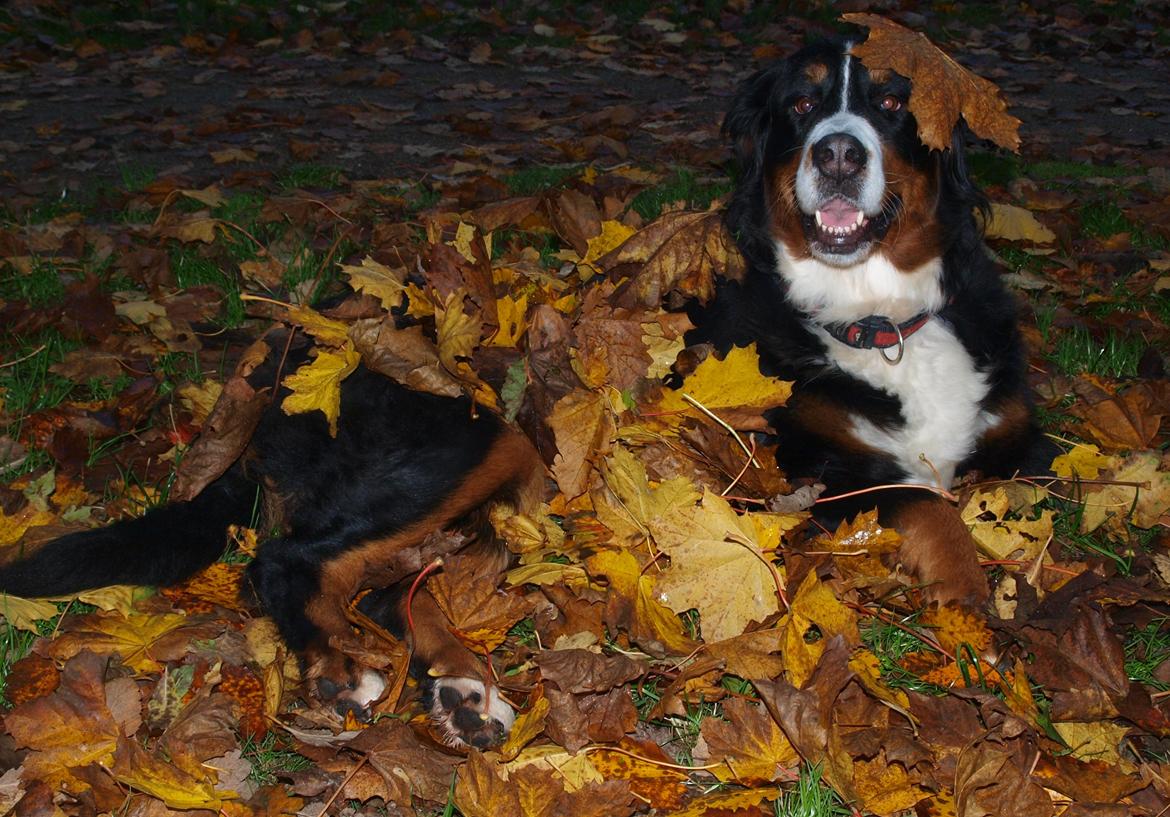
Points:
[[845, 78]]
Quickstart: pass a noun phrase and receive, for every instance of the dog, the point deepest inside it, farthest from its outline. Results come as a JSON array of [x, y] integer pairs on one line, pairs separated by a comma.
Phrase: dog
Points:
[[403, 464], [869, 287]]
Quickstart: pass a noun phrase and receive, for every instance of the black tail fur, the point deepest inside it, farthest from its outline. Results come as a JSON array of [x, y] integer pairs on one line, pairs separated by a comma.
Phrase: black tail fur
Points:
[[162, 547]]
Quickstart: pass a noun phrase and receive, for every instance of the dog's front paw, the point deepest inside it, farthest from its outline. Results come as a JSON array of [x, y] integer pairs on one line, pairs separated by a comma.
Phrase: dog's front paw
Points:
[[467, 715], [339, 682]]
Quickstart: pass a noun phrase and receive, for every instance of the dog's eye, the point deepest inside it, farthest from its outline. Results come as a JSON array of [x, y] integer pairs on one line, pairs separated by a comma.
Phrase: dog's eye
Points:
[[804, 105], [889, 102]]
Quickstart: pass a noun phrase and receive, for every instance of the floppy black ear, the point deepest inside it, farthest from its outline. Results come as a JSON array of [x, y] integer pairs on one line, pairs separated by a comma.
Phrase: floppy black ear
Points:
[[956, 177], [749, 121]]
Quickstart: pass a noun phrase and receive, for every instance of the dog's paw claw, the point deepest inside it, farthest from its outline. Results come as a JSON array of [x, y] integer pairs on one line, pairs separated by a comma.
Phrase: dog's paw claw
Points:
[[463, 718]]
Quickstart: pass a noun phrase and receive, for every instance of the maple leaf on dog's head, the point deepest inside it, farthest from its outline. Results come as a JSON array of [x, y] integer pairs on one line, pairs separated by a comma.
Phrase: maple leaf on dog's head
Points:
[[942, 90]]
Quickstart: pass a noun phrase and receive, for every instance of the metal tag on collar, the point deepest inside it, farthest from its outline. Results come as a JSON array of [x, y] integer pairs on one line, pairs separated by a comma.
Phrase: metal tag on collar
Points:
[[896, 359]]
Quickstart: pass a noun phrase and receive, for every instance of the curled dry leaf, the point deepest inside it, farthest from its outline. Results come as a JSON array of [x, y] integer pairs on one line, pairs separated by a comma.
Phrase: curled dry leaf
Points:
[[682, 251], [942, 90]]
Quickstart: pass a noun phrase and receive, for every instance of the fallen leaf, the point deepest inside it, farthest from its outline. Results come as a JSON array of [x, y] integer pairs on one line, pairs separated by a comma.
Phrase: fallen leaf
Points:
[[316, 386], [942, 90], [1016, 224], [387, 284], [749, 744], [733, 388]]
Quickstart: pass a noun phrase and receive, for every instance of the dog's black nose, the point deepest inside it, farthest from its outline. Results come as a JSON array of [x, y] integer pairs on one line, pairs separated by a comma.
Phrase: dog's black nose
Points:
[[839, 155]]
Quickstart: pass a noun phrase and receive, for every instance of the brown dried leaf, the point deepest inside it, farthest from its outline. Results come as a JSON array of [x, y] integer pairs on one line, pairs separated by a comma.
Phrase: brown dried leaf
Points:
[[682, 251], [404, 355], [586, 671], [466, 591], [225, 435], [749, 744], [583, 425], [942, 90]]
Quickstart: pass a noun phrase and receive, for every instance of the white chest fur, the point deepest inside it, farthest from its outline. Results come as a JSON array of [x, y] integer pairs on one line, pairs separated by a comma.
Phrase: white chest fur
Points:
[[936, 381], [940, 390]]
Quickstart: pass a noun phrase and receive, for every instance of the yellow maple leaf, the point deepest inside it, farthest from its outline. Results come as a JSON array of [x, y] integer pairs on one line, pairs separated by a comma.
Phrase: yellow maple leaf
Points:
[[1143, 501], [1016, 224], [732, 388], [613, 234], [866, 667], [750, 744], [511, 313], [1084, 461], [942, 91], [387, 284], [23, 614], [13, 527], [325, 330], [148, 772], [885, 788], [1003, 538], [576, 770], [464, 235], [143, 641], [713, 549], [316, 386], [527, 726], [1098, 740], [457, 333], [647, 617], [814, 603]]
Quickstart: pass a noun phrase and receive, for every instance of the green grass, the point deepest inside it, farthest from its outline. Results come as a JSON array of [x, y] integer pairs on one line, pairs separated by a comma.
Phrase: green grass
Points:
[[891, 644], [1066, 526], [136, 177], [989, 168], [538, 178], [28, 386], [1078, 351], [40, 287], [1103, 218], [811, 797], [680, 186], [193, 269], [1147, 649], [271, 755], [311, 176]]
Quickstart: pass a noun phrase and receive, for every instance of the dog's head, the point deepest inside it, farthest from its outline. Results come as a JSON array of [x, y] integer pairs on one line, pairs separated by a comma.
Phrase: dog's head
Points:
[[832, 152]]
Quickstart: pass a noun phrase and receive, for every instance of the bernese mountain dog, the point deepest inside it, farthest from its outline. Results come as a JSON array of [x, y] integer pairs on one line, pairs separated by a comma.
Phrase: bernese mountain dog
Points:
[[868, 286], [351, 510]]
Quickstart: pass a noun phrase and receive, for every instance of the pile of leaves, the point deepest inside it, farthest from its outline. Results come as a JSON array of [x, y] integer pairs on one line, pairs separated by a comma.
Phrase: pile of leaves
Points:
[[677, 633]]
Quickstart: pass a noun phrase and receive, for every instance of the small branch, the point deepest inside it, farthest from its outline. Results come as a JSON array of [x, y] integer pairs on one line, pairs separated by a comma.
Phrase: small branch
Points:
[[33, 353], [945, 494], [726, 425]]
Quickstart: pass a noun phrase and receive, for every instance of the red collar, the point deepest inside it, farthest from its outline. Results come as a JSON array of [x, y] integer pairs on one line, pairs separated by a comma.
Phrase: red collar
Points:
[[876, 331]]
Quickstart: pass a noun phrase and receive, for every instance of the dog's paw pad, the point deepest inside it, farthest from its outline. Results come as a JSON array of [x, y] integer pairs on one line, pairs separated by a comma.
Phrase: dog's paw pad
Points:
[[467, 716]]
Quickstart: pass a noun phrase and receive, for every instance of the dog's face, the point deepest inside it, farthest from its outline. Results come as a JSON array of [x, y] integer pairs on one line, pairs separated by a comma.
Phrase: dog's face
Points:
[[839, 158]]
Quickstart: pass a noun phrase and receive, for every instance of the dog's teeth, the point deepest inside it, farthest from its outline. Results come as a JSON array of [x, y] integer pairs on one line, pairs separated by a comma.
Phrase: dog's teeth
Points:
[[860, 218], [820, 221]]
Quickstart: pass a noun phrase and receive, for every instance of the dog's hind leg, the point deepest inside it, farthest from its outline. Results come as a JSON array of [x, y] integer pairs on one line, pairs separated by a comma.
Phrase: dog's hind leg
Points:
[[510, 467]]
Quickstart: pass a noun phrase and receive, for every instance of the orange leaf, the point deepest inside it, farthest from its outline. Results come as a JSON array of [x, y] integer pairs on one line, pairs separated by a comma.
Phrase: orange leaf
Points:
[[942, 90]]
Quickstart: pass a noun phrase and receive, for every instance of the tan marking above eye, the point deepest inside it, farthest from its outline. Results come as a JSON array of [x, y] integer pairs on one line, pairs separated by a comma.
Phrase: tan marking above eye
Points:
[[816, 72]]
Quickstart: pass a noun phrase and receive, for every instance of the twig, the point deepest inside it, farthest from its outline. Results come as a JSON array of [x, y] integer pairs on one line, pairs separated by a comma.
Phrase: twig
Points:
[[341, 788], [751, 458], [33, 353], [945, 494], [726, 425]]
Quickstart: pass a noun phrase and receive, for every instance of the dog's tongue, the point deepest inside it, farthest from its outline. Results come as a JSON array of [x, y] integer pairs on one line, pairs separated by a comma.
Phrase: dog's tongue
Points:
[[838, 213]]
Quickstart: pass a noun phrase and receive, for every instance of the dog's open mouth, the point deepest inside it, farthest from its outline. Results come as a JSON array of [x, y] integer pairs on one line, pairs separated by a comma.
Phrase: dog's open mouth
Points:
[[838, 227]]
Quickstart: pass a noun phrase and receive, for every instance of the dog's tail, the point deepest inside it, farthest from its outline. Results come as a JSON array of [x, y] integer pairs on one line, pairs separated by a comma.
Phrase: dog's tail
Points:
[[162, 547]]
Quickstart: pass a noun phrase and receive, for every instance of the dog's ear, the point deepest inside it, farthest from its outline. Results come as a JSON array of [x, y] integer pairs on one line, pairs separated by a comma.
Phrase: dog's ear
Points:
[[957, 180], [749, 121]]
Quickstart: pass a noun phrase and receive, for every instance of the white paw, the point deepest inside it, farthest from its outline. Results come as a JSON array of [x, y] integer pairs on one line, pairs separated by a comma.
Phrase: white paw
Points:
[[464, 716]]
